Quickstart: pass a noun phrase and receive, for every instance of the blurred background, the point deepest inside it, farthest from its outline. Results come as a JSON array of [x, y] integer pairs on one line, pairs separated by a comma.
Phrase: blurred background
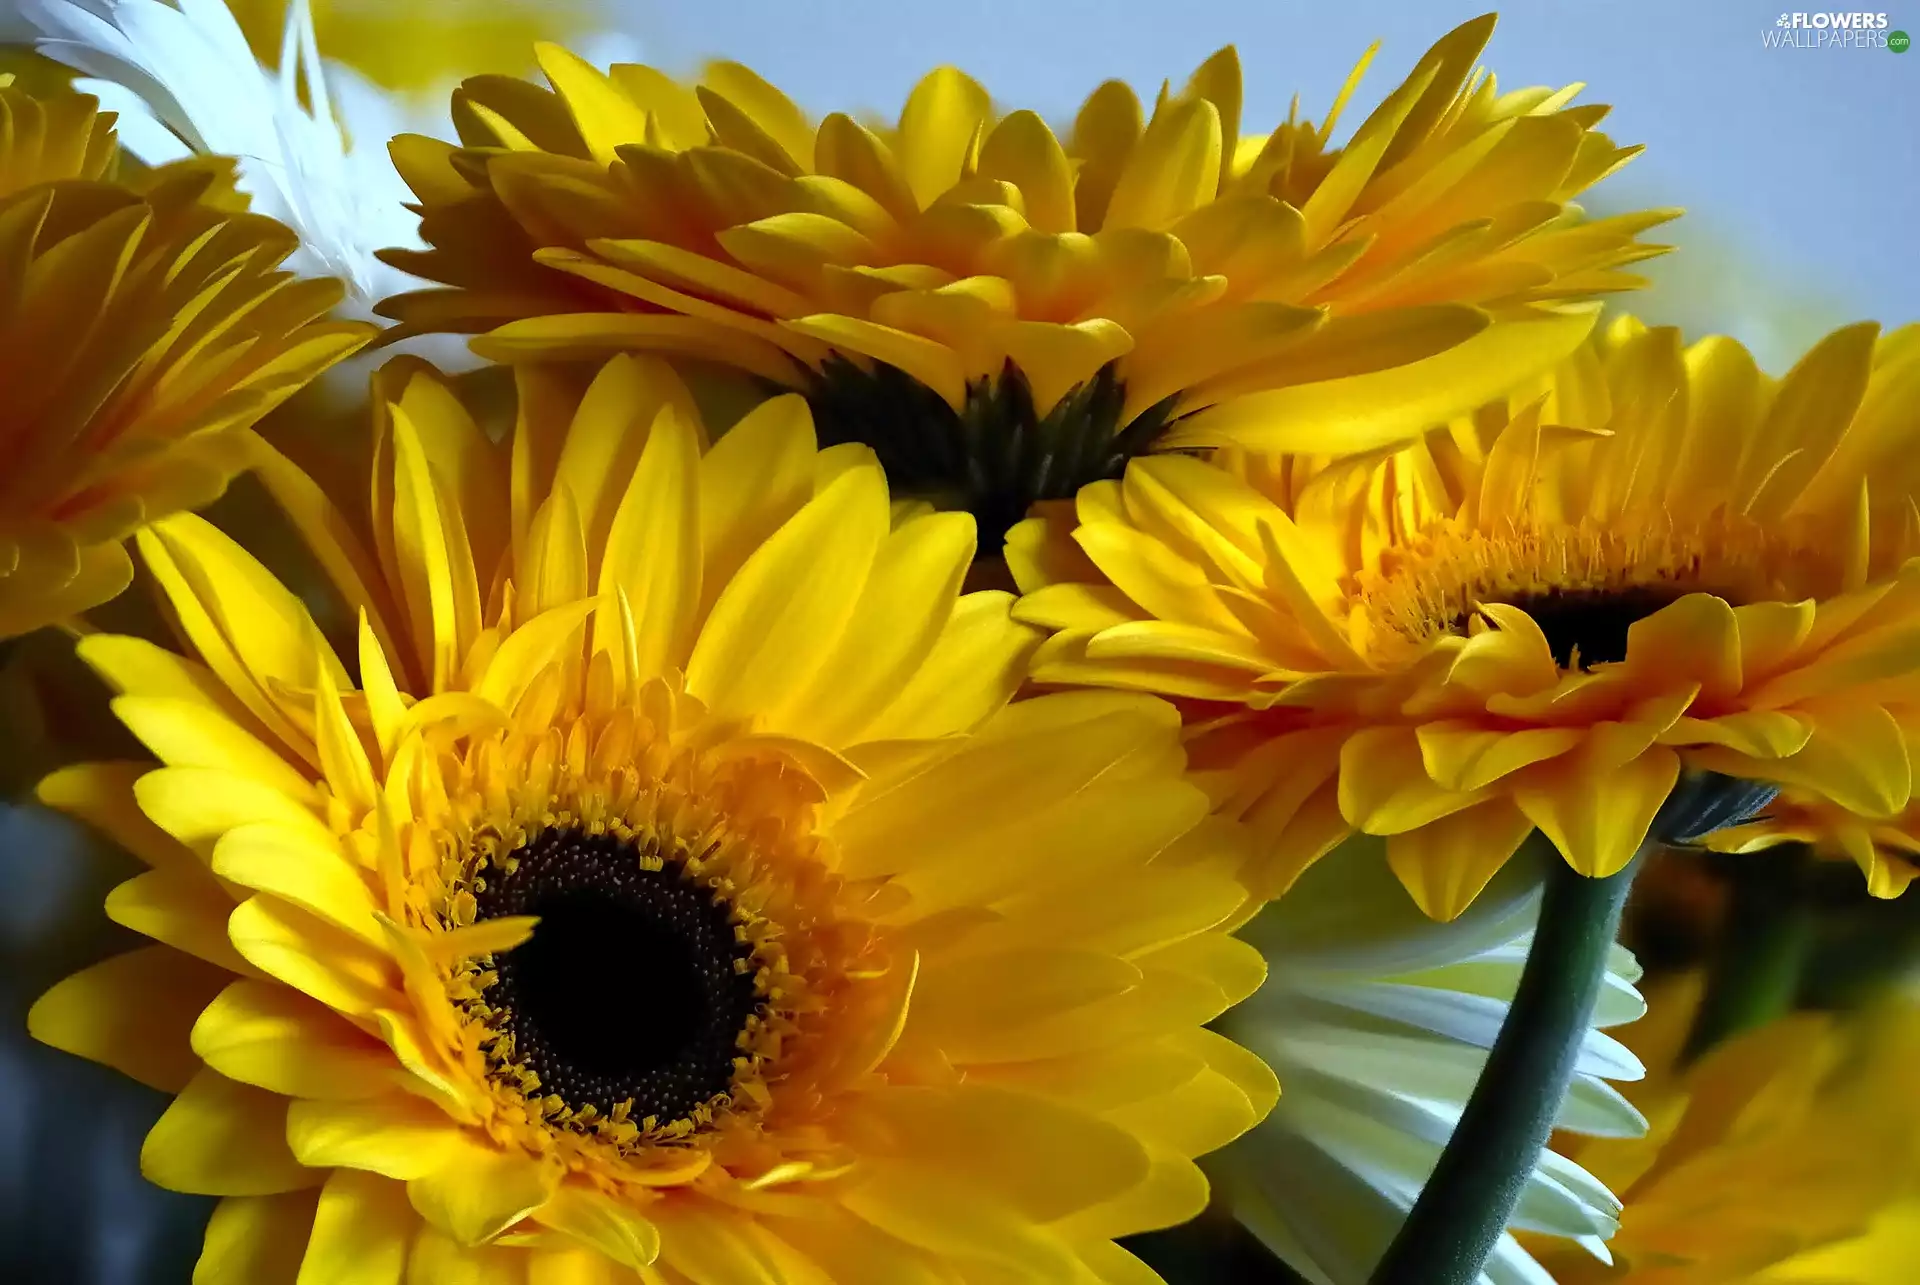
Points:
[[1797, 166]]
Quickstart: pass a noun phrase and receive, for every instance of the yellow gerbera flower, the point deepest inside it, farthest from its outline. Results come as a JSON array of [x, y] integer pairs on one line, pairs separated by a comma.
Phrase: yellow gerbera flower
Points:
[[421, 45], [1780, 1149], [1886, 848], [1532, 619], [1004, 315], [144, 330], [720, 924]]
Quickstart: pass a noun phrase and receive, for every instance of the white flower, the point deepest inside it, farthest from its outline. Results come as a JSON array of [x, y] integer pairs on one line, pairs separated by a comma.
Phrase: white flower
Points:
[[1378, 1021], [184, 81]]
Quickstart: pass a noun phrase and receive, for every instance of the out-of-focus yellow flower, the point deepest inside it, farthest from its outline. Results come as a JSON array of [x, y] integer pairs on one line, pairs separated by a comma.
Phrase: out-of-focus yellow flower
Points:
[[1007, 313], [1788, 1153], [1886, 848], [420, 45], [143, 329], [1658, 557]]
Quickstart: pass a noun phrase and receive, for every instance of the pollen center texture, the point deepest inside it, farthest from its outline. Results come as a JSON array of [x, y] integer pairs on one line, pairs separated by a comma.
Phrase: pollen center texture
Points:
[[632, 995], [1586, 627]]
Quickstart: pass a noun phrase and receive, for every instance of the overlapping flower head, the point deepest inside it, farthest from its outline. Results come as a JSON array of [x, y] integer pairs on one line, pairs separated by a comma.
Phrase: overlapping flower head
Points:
[[145, 328], [1784, 1155], [660, 881], [1663, 558], [1003, 313], [1885, 847], [1378, 1021]]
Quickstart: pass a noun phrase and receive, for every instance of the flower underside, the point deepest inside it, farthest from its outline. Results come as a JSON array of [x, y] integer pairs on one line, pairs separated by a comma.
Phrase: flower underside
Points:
[[995, 456]]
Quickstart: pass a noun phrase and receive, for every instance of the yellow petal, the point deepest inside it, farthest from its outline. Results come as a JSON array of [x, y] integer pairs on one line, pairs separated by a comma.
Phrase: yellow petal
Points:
[[653, 551], [710, 1248], [902, 612], [476, 1191], [256, 1240], [924, 1207], [277, 1039], [1021, 150], [1384, 786], [315, 876], [1444, 864], [360, 1233], [221, 1138], [1696, 639], [1056, 359], [1464, 755], [1599, 819], [974, 670], [605, 116], [312, 956], [777, 622], [180, 905], [853, 1252], [1173, 1192], [1175, 168], [529, 650], [770, 109], [438, 1258], [191, 734], [1357, 413], [933, 364], [938, 127], [132, 1012], [397, 1136], [1044, 1159], [610, 1225]]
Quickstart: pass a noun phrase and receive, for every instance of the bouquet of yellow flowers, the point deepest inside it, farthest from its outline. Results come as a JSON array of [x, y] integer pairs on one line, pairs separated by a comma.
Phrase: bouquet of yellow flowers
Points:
[[706, 694]]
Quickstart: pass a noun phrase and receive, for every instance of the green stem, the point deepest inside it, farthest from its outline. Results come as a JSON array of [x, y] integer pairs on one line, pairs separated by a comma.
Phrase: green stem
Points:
[[1467, 1202], [1763, 949]]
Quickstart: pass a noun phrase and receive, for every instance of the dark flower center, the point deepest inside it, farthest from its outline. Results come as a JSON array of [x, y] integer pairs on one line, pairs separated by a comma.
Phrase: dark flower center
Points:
[[632, 988], [996, 455], [1589, 626]]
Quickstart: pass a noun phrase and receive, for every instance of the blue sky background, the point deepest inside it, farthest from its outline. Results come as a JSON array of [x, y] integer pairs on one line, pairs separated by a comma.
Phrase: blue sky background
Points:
[[1798, 165]]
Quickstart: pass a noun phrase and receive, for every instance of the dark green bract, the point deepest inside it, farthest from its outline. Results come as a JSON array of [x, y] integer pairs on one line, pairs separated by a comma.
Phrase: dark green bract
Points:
[[996, 455]]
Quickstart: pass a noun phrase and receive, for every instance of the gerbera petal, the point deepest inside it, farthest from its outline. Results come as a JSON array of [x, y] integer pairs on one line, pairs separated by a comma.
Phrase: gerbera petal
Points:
[[473, 1192], [133, 1012], [1355, 413], [775, 622], [653, 547], [361, 1232], [917, 575], [274, 1038], [1446, 863], [706, 1250], [1462, 755], [438, 1257], [223, 1138], [184, 909], [199, 804], [610, 1226], [1599, 819], [1047, 1159], [396, 1136], [1384, 786], [256, 1240], [925, 1208], [313, 875], [312, 956]]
